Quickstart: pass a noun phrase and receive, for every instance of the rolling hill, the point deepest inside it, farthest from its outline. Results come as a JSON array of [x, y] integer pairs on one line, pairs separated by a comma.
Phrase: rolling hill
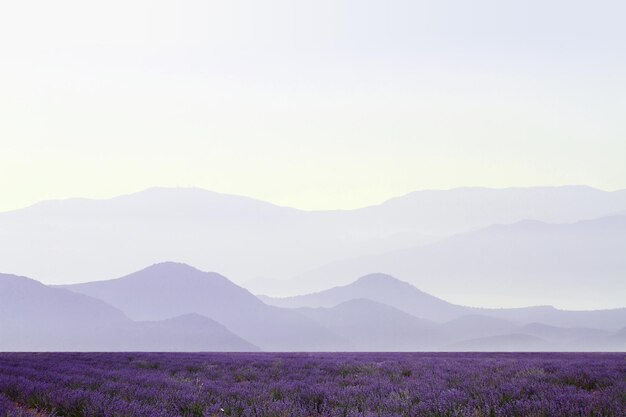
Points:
[[35, 317], [391, 291], [166, 290], [175, 307], [370, 326], [381, 288]]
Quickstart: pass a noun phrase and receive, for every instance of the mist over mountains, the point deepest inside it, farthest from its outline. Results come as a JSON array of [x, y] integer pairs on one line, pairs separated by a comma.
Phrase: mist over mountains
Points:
[[35, 317], [418, 272], [175, 307], [170, 289], [520, 263], [475, 246]]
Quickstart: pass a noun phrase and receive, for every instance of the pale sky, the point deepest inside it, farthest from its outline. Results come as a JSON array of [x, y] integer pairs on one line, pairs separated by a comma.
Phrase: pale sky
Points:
[[311, 104]]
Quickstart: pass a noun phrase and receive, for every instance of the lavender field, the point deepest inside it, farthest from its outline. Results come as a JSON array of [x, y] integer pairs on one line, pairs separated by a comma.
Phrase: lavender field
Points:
[[381, 384]]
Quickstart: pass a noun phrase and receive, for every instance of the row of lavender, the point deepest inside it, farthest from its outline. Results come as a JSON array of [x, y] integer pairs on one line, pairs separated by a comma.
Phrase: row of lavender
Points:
[[167, 384], [10, 409]]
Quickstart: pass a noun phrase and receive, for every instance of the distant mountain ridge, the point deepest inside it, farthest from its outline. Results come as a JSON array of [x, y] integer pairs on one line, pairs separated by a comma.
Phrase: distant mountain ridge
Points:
[[247, 239], [528, 261], [388, 290], [369, 325], [175, 307], [170, 289], [377, 287], [35, 317]]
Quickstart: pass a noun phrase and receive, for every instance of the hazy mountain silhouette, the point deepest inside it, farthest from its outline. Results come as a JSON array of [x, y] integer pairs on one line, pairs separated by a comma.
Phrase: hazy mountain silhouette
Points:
[[609, 319], [381, 288], [615, 342], [493, 334], [34, 317], [404, 296], [554, 340], [447, 212], [528, 262], [179, 308], [80, 238], [474, 326], [562, 335], [247, 239], [503, 343], [371, 326], [167, 290], [190, 332], [23, 300], [619, 337]]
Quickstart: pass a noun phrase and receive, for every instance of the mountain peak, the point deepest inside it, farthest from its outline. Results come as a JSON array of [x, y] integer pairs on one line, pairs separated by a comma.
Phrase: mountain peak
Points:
[[377, 277], [165, 273], [170, 266], [173, 272], [190, 318], [379, 280]]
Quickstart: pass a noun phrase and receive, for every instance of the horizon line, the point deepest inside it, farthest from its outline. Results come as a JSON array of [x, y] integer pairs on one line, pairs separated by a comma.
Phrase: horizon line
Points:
[[226, 194]]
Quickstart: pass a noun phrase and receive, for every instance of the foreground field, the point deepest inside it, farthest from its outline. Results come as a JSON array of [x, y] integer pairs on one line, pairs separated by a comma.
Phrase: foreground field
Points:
[[168, 384]]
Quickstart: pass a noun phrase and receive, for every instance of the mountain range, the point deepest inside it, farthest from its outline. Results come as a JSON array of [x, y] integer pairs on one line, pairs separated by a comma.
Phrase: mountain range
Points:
[[388, 290], [479, 246], [175, 307], [171, 289], [527, 261], [36, 317], [431, 270]]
